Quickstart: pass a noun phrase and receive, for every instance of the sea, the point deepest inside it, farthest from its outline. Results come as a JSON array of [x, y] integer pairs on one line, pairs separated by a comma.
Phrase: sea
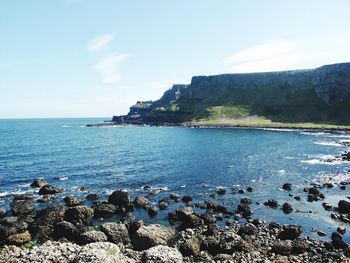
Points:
[[187, 161]]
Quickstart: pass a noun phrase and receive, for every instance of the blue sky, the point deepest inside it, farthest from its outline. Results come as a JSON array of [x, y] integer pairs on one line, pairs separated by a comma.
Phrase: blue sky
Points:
[[76, 58]]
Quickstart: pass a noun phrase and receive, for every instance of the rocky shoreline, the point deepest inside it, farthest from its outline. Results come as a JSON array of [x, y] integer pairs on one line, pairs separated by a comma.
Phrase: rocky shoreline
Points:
[[80, 229]]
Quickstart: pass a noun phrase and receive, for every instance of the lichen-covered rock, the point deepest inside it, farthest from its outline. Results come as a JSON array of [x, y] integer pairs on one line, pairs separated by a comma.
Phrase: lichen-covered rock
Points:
[[19, 239], [160, 253], [101, 252], [151, 235], [116, 232]]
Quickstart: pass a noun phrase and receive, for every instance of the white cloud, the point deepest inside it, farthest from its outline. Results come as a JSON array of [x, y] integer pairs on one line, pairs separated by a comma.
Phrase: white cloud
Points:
[[99, 43], [109, 67], [271, 56]]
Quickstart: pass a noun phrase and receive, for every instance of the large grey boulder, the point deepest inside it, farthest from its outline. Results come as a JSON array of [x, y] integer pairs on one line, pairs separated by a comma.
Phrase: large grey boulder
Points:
[[22, 204], [79, 215], [119, 198], [160, 254], [151, 235], [50, 190], [92, 237]]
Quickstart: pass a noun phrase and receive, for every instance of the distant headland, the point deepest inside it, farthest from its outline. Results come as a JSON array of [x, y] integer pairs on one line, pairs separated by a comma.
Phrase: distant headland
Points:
[[313, 98]]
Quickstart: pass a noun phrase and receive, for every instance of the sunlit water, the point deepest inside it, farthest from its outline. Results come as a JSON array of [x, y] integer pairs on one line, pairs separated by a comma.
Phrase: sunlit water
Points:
[[182, 160]]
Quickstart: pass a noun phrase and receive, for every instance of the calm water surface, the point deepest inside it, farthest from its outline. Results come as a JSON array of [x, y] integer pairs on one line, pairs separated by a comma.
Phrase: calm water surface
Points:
[[187, 161]]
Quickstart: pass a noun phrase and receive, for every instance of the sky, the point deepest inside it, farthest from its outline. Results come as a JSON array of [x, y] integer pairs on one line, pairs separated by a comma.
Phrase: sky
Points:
[[90, 58]]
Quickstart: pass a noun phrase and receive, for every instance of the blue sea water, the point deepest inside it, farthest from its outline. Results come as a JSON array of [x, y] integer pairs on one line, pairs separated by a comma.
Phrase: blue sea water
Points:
[[174, 159]]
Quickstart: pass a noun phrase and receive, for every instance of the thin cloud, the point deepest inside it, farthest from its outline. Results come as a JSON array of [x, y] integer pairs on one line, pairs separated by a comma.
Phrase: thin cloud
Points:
[[99, 43], [271, 56], [108, 67]]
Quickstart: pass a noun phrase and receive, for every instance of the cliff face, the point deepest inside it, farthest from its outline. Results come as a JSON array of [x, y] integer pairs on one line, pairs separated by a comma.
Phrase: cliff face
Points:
[[317, 95]]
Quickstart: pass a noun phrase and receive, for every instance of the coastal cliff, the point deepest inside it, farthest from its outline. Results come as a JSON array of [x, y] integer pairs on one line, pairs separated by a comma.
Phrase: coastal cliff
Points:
[[319, 96]]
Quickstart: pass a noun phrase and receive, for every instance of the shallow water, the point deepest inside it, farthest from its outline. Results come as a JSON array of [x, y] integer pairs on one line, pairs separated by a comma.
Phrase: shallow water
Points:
[[183, 160]]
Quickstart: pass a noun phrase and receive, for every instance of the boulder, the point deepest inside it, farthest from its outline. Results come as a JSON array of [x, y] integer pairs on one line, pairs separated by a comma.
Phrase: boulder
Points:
[[344, 207], [290, 232], [39, 182], [134, 226], [282, 248], [181, 212], [152, 211], [92, 197], [287, 208], [162, 253], [300, 247], [151, 235], [50, 190], [79, 215], [120, 199], [246, 201], [19, 239], [22, 204], [104, 210], [247, 230], [175, 197], [221, 191], [191, 221], [187, 199], [244, 209], [66, 230], [140, 201], [73, 200], [271, 203], [101, 252], [287, 186], [2, 212], [250, 189], [190, 246], [163, 205], [92, 236], [314, 191], [43, 225], [116, 232], [337, 241]]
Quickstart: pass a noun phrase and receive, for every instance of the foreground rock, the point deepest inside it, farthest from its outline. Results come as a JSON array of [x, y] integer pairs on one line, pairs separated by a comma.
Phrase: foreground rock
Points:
[[151, 235], [116, 232], [50, 190], [22, 204], [162, 254], [79, 215]]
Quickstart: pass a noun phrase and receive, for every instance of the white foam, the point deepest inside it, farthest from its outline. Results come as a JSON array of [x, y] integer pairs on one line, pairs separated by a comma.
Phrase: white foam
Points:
[[289, 157], [183, 186], [64, 178], [4, 194], [320, 161], [282, 171], [333, 144]]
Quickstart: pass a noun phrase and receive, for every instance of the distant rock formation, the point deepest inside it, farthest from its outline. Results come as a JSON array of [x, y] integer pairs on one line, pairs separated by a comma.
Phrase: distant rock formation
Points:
[[317, 95]]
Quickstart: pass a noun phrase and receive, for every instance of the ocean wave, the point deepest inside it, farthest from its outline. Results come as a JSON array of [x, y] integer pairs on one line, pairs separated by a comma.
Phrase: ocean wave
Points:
[[63, 178], [320, 161], [333, 144]]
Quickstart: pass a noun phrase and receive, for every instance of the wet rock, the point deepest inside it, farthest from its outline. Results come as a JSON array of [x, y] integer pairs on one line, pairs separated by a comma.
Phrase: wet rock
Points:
[[328, 185], [152, 211], [327, 206], [342, 187], [140, 201], [104, 210], [2, 212], [244, 209], [79, 215], [73, 200], [162, 253], [287, 208], [271, 203], [282, 248], [208, 218], [246, 201], [297, 197], [287, 186], [175, 197], [250, 189], [311, 198], [50, 189], [321, 233], [91, 237], [337, 241], [66, 230], [187, 199], [43, 225], [247, 230], [172, 216], [92, 197], [290, 232], [19, 239], [120, 199], [221, 191], [39, 182], [151, 235], [344, 207], [22, 204], [163, 205], [116, 232], [341, 230], [182, 212], [191, 221], [314, 191]]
